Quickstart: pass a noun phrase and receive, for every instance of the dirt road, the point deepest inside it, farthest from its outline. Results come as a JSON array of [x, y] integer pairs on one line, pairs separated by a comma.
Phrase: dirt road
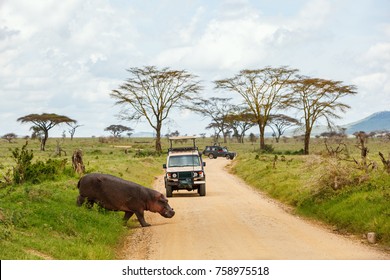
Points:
[[233, 221]]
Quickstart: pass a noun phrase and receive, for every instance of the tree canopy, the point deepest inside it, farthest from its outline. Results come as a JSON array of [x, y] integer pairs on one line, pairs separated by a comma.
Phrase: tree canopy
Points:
[[263, 90], [45, 122], [117, 129], [151, 93], [279, 123], [319, 98]]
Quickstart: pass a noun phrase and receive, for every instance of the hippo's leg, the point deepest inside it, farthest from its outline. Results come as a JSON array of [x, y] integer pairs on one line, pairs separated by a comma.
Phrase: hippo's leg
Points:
[[80, 200], [90, 203], [127, 216], [141, 219]]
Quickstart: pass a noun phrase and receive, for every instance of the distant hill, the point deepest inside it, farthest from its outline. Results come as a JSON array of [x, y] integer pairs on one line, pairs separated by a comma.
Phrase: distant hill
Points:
[[374, 122]]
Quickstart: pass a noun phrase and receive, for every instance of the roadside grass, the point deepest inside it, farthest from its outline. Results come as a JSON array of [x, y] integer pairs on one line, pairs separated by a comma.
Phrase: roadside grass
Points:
[[52, 226], [361, 205], [278, 182], [357, 209]]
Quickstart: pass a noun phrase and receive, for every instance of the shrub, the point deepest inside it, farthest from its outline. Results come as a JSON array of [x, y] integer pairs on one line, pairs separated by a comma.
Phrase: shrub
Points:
[[26, 171], [269, 149], [42, 171], [23, 159], [298, 152], [140, 153], [330, 175]]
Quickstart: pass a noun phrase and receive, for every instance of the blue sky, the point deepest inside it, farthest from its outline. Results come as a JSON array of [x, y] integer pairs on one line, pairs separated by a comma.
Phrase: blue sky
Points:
[[65, 57]]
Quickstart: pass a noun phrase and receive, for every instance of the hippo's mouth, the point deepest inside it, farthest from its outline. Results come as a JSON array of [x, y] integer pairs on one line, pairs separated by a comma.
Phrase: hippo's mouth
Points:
[[168, 213]]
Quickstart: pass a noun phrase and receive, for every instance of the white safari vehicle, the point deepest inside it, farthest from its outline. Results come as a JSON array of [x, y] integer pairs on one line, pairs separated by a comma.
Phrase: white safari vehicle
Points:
[[184, 169]]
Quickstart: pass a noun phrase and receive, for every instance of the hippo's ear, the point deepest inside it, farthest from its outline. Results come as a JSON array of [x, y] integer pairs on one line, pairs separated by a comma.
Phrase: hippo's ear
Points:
[[161, 197]]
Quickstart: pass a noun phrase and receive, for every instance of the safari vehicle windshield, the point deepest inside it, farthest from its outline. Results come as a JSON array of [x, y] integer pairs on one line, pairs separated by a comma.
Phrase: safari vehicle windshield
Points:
[[183, 160]]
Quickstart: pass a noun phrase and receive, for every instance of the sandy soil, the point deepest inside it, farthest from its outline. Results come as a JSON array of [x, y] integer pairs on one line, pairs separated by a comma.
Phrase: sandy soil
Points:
[[233, 221]]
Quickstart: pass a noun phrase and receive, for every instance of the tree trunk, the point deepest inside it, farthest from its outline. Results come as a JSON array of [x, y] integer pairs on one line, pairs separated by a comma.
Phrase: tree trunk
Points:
[[262, 141], [158, 138], [224, 137], [307, 142], [43, 141], [77, 161], [242, 138]]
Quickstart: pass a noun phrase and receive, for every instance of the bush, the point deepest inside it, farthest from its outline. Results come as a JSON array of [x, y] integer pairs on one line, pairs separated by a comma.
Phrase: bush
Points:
[[269, 149], [298, 152], [145, 153], [23, 160], [42, 171], [26, 171]]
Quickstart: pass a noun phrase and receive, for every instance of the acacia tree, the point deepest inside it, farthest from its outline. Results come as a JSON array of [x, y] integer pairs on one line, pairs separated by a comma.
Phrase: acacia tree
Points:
[[217, 109], [45, 122], [240, 121], [117, 129], [279, 123], [9, 137], [72, 129], [319, 99], [37, 132], [151, 94], [263, 90]]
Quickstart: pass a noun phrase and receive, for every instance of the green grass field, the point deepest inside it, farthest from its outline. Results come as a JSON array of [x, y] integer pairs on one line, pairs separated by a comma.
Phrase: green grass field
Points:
[[40, 220]]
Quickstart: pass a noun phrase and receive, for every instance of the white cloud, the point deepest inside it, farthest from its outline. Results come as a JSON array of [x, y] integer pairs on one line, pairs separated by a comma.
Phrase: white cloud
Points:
[[375, 64], [378, 56], [224, 44], [313, 15], [67, 56], [240, 36], [188, 32], [372, 83]]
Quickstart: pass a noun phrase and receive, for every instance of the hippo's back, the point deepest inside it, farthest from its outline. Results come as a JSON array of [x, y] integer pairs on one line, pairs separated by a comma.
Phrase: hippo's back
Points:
[[110, 191]]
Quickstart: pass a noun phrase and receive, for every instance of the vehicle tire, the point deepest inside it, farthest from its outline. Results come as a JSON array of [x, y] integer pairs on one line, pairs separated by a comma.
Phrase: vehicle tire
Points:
[[202, 190], [168, 190], [228, 157], [211, 156]]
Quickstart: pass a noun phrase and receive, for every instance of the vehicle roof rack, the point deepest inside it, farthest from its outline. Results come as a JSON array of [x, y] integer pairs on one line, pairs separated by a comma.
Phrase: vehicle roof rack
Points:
[[182, 139], [182, 149]]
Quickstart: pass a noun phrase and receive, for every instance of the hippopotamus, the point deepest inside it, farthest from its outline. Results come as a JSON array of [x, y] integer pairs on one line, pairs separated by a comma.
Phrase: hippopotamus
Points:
[[117, 194]]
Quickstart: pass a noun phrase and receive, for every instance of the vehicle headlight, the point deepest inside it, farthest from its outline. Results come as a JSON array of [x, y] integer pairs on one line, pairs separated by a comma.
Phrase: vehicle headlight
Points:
[[198, 174], [174, 175]]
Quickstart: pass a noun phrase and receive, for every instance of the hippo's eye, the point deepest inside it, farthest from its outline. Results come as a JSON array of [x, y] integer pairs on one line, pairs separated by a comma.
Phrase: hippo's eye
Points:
[[163, 200]]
